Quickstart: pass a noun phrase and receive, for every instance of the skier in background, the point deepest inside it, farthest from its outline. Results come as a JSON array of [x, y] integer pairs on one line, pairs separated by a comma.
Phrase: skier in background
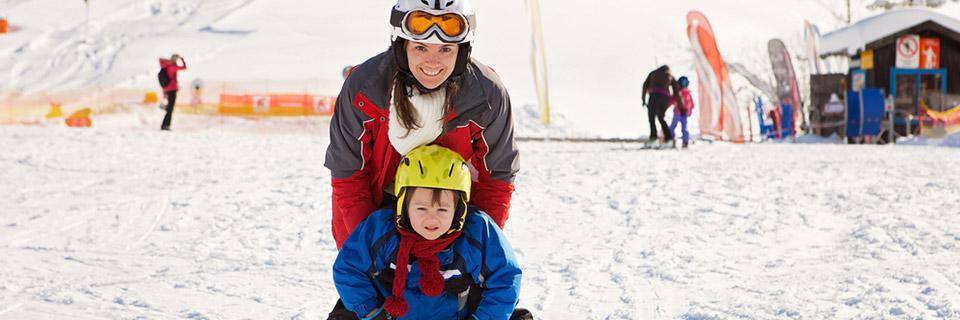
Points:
[[168, 80], [682, 112], [662, 88], [197, 98]]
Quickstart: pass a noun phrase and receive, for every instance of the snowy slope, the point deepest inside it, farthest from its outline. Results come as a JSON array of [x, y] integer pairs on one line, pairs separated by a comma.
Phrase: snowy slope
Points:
[[596, 66], [114, 223], [228, 218]]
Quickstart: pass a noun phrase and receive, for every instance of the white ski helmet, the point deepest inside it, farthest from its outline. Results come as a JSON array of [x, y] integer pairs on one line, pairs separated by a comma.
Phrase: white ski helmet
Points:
[[433, 21]]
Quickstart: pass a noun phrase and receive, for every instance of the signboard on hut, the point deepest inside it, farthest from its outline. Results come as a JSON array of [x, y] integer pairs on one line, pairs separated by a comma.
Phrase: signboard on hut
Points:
[[908, 52], [930, 53]]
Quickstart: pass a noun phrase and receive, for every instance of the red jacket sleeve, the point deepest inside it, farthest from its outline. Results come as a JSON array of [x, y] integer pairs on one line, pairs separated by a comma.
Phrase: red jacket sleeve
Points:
[[493, 197], [352, 200], [496, 159]]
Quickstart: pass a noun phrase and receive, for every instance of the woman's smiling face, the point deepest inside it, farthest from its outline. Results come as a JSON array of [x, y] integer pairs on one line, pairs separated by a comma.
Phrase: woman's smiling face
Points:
[[431, 64]]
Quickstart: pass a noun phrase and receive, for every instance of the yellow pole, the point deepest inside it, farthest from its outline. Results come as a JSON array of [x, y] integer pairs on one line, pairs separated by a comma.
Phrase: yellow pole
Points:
[[538, 59]]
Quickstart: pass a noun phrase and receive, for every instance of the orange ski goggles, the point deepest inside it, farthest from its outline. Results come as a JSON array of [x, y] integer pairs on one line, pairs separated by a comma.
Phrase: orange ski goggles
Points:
[[420, 25]]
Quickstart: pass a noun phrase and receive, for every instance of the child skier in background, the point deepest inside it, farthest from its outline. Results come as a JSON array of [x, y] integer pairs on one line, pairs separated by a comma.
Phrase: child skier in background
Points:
[[454, 262], [682, 112]]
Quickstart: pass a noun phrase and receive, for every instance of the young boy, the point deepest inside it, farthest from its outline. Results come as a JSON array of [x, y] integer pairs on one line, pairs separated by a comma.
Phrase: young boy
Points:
[[432, 258], [682, 113]]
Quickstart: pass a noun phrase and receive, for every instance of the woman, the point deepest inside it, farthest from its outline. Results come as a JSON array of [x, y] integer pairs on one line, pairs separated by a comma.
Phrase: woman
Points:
[[659, 84], [423, 90], [170, 68]]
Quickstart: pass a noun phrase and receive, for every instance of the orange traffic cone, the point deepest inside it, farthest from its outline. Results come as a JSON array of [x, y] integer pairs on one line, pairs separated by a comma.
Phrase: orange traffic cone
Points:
[[79, 119], [150, 98]]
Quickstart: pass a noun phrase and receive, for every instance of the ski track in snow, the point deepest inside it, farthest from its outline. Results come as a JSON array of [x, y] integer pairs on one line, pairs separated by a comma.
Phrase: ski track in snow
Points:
[[648, 235], [72, 56], [230, 220]]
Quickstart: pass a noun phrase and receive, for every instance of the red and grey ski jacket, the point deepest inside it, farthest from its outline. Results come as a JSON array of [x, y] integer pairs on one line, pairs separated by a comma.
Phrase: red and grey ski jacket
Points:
[[363, 162], [172, 68]]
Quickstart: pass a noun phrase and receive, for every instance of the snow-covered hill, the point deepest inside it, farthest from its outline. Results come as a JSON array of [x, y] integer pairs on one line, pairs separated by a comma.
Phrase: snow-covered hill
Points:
[[228, 218], [598, 53]]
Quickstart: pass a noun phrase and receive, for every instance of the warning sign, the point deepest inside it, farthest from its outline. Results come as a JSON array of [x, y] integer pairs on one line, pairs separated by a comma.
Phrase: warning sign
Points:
[[908, 52], [930, 53]]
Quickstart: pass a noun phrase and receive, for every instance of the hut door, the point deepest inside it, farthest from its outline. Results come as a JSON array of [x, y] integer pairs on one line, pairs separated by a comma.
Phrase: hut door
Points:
[[914, 89], [906, 93]]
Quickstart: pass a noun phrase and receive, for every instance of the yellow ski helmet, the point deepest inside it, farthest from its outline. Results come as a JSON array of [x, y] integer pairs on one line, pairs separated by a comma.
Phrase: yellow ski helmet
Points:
[[434, 167]]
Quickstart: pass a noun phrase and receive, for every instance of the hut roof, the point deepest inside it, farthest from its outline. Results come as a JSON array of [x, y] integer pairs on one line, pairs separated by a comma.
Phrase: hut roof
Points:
[[856, 36]]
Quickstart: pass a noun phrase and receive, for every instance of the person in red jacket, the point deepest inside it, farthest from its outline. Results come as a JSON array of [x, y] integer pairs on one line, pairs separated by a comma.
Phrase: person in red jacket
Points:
[[682, 112], [171, 67], [425, 89]]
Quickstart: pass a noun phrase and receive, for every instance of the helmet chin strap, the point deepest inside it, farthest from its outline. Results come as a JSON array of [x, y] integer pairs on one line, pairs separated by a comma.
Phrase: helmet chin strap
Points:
[[410, 81]]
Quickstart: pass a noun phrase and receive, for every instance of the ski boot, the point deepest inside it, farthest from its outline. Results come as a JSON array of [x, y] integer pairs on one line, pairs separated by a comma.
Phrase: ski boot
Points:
[[670, 144], [521, 314], [650, 144], [340, 312]]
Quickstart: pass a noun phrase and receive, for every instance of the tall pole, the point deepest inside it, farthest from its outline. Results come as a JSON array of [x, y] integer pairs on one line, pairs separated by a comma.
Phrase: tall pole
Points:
[[86, 24], [848, 12], [538, 60]]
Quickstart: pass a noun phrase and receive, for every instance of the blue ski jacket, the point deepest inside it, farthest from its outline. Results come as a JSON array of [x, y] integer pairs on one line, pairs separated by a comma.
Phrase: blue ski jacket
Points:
[[481, 254]]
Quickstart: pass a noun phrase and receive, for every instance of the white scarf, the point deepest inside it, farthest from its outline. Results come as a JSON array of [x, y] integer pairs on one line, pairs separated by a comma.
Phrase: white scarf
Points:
[[429, 108]]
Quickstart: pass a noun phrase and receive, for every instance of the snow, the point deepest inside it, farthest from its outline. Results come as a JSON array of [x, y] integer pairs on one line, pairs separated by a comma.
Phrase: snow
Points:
[[855, 37], [228, 218], [114, 222], [950, 140]]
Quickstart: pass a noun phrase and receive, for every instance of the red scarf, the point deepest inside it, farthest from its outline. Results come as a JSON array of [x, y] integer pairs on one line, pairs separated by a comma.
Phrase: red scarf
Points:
[[431, 282]]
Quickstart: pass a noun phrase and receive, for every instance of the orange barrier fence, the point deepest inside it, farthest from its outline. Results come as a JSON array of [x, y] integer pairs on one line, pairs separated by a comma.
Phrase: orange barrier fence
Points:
[[275, 105], [4, 26], [256, 99], [17, 107]]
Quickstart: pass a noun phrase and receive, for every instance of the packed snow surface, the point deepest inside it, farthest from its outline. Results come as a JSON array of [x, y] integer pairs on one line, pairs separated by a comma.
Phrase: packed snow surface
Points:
[[228, 218], [231, 221]]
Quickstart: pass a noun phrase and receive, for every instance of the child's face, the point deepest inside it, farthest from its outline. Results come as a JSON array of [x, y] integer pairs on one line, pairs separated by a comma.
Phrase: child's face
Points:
[[430, 219]]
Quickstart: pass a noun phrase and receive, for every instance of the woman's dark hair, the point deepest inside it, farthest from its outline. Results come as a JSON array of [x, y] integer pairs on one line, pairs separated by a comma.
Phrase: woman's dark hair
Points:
[[402, 90]]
